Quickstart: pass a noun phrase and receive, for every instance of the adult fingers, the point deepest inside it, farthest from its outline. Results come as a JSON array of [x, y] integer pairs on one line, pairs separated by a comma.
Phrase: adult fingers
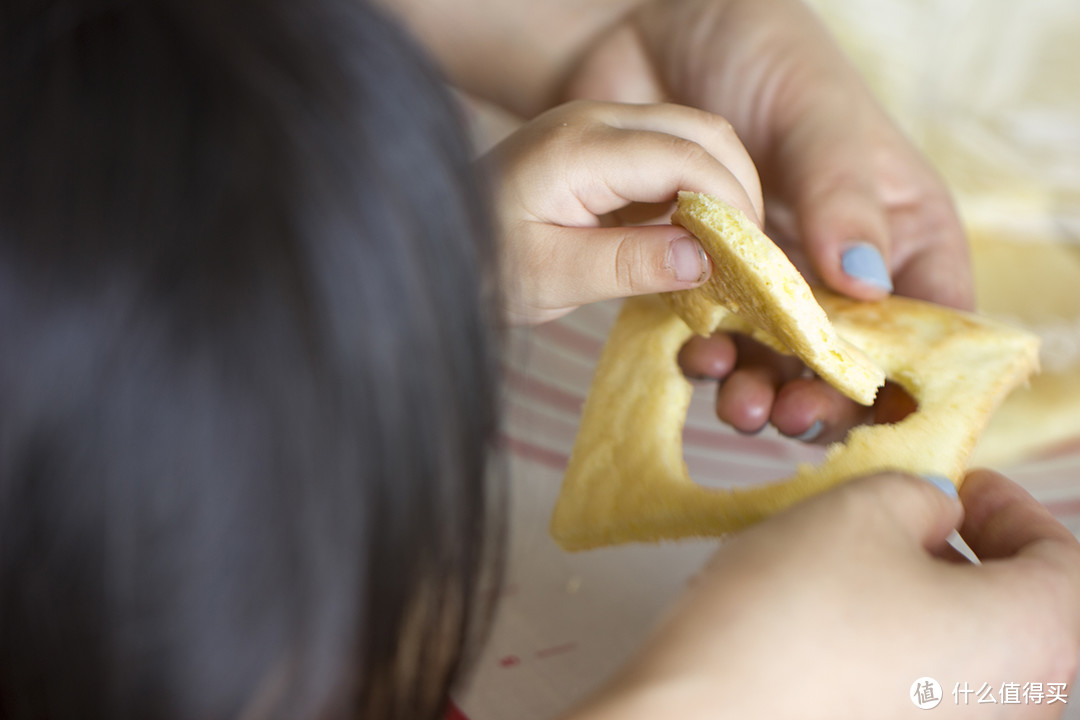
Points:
[[873, 216], [915, 512], [939, 270], [1035, 555], [745, 398], [830, 182], [927, 508], [809, 409], [704, 358], [1002, 519], [759, 385]]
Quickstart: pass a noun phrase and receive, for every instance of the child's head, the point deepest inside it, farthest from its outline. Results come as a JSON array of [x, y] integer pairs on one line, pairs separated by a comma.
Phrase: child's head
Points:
[[247, 364]]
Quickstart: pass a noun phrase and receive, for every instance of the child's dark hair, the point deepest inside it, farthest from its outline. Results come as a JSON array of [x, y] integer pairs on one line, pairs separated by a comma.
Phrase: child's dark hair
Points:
[[248, 364]]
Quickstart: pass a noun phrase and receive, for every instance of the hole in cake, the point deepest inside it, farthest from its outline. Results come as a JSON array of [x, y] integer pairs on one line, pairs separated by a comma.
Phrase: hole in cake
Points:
[[893, 404], [717, 456]]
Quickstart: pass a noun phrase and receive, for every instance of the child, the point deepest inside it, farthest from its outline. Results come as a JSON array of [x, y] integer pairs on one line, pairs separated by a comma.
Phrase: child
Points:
[[249, 366]]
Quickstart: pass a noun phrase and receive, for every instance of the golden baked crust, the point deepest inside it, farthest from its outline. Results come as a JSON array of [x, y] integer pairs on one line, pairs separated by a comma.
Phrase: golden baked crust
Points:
[[627, 480], [754, 280]]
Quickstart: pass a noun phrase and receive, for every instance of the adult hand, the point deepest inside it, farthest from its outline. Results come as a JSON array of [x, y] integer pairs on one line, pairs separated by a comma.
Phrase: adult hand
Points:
[[836, 607]]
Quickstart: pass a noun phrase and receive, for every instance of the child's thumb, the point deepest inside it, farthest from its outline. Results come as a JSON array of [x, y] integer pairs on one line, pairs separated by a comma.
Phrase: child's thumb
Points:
[[591, 264]]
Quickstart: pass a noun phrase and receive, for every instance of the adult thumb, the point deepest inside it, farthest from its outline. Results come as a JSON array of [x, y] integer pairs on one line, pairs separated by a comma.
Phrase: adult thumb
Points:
[[925, 508]]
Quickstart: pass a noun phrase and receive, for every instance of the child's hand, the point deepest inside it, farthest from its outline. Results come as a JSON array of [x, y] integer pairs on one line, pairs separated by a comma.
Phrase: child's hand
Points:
[[835, 608], [562, 179]]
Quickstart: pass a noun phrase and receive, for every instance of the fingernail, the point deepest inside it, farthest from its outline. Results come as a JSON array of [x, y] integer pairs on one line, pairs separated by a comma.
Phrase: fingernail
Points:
[[811, 432], [688, 259], [942, 483], [961, 546], [864, 263]]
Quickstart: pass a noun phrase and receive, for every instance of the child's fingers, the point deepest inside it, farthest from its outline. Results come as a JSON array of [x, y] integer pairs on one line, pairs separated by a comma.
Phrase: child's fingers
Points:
[[573, 168], [612, 154], [619, 166], [585, 265], [712, 132]]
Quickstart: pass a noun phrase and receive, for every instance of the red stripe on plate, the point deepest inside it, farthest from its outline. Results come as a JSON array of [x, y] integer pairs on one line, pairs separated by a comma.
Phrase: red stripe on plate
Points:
[[556, 650], [716, 440], [570, 339], [540, 390], [531, 421], [529, 451]]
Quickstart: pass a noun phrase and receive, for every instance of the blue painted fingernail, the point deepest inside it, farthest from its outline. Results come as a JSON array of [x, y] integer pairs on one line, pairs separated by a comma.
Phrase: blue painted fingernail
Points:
[[811, 432], [864, 263], [942, 483]]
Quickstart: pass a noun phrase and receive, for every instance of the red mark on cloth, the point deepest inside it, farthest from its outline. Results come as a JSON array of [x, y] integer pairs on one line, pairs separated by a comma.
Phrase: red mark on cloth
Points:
[[557, 650], [453, 712]]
